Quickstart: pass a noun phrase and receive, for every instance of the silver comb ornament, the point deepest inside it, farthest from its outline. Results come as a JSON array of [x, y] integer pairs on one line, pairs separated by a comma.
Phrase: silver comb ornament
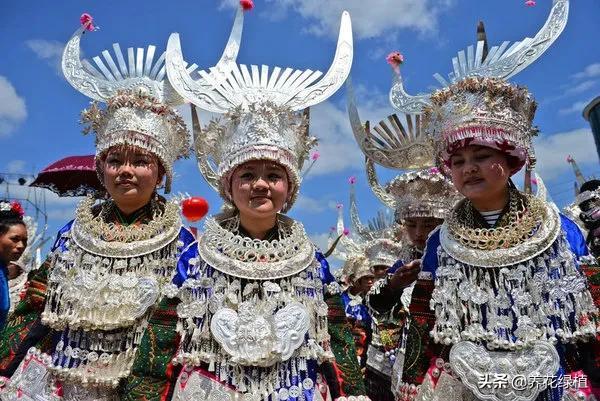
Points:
[[260, 106], [502, 61], [402, 144], [392, 143], [140, 100], [220, 91], [378, 242], [137, 69]]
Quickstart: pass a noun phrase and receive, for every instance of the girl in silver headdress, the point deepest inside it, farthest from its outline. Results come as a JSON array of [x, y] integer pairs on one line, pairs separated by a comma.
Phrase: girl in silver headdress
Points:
[[254, 316], [98, 300], [420, 198], [510, 312]]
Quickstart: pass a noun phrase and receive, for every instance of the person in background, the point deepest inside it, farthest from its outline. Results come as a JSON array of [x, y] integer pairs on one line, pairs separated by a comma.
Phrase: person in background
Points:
[[13, 241], [420, 197], [360, 277]]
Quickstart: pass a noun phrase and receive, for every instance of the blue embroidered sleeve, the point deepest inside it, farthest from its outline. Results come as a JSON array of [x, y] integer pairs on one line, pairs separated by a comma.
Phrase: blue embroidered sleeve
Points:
[[186, 237], [183, 264], [430, 260], [4, 295], [574, 237], [326, 275], [61, 238]]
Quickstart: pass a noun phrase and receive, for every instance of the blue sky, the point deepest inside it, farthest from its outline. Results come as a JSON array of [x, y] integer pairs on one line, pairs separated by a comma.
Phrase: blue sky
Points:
[[39, 110]]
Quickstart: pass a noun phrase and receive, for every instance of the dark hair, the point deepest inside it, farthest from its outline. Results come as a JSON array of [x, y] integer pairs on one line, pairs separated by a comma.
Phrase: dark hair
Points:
[[102, 159], [513, 161], [590, 185], [9, 218]]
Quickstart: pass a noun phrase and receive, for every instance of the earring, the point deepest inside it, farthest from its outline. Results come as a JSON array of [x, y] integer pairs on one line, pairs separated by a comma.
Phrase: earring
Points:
[[154, 201]]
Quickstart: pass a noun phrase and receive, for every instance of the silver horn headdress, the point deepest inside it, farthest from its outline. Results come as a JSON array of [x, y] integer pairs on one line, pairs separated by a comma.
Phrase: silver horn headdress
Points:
[[139, 99], [501, 62], [422, 191], [260, 107], [379, 241], [476, 103]]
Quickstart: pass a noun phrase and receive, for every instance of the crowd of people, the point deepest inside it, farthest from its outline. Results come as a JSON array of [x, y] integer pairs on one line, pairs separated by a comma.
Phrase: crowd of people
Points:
[[475, 290]]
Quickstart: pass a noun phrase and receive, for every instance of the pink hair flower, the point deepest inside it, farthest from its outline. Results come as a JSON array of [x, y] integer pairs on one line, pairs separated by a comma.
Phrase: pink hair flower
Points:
[[346, 232], [352, 180], [530, 3], [315, 156], [87, 21], [395, 59], [247, 5], [434, 170]]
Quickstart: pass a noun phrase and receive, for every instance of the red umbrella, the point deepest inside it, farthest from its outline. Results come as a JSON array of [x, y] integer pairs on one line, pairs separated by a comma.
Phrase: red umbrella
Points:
[[71, 176]]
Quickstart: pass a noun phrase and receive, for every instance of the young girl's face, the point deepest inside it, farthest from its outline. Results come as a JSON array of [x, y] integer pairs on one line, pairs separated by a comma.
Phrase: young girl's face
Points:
[[13, 243], [419, 228], [480, 173], [259, 188], [131, 175]]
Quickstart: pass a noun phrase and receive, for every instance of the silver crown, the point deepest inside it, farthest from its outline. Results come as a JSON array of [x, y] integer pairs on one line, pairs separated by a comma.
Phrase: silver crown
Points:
[[419, 193], [476, 102], [501, 61], [379, 241], [356, 267], [140, 101], [405, 146], [392, 143], [260, 110], [483, 111]]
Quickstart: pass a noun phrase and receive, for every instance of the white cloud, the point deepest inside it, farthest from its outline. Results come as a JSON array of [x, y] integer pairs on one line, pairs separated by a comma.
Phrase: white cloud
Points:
[[321, 240], [64, 213], [12, 108], [312, 205], [58, 209], [370, 19], [552, 163], [48, 50], [308, 204], [576, 107], [329, 123], [591, 71], [581, 87], [16, 166]]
